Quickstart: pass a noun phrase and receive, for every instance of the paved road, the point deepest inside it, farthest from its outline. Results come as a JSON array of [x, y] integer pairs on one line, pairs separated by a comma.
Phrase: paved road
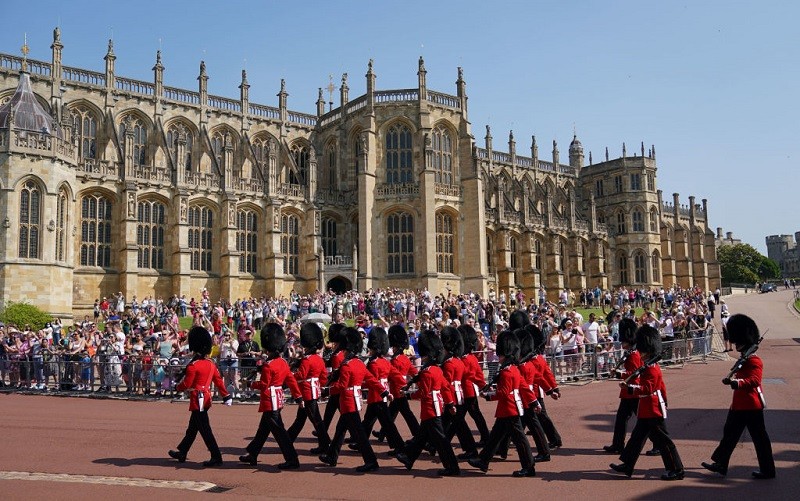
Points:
[[126, 440]]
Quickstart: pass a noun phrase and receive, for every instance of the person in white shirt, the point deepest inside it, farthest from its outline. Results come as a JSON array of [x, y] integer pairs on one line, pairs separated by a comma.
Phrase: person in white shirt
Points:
[[590, 332]]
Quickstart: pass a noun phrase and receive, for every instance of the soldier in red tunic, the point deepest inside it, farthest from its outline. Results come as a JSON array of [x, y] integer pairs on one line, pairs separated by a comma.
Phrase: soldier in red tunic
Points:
[[453, 369], [200, 373], [509, 409], [474, 380], [747, 408], [628, 403], [652, 411], [435, 396], [274, 373], [402, 369], [353, 375], [311, 375], [337, 342]]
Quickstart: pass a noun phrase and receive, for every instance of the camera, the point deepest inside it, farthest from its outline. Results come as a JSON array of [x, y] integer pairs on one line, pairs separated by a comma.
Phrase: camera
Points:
[[574, 331]]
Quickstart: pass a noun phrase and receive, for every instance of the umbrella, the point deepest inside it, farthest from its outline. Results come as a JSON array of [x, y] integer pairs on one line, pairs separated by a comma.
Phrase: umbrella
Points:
[[320, 318]]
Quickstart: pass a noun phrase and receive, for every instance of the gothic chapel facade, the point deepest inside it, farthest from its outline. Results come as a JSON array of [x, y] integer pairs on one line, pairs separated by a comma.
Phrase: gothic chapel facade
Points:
[[109, 184]]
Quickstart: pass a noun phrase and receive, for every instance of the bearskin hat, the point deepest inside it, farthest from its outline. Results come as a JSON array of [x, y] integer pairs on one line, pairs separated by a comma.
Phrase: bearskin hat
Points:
[[430, 345], [469, 337], [507, 346], [452, 342], [311, 336], [336, 334], [742, 330], [378, 341], [398, 337], [273, 338], [199, 340], [352, 340], [627, 331], [526, 343], [539, 339], [517, 320], [648, 340]]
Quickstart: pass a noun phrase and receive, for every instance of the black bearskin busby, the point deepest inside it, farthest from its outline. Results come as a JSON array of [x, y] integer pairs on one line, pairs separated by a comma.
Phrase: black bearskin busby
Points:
[[452, 342], [378, 341], [742, 330], [526, 342], [273, 339], [627, 331], [353, 342], [539, 339], [469, 337], [398, 337], [336, 334], [430, 345], [507, 346], [517, 320], [648, 340], [311, 336], [199, 340]]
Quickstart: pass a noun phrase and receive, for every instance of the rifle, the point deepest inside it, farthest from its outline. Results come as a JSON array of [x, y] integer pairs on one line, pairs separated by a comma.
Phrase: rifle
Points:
[[414, 379], [495, 378], [638, 372], [742, 359], [625, 356]]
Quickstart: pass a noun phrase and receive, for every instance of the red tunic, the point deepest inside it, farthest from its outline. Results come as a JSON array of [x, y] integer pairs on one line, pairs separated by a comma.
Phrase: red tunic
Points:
[[353, 374], [432, 389], [380, 368], [336, 361], [528, 372], [474, 380], [509, 402], [311, 376], [398, 378], [199, 376], [748, 396], [453, 369], [650, 393], [274, 374], [544, 381], [633, 362]]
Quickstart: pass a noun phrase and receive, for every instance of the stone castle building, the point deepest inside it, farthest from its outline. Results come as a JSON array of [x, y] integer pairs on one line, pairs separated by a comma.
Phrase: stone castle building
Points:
[[785, 250], [111, 184]]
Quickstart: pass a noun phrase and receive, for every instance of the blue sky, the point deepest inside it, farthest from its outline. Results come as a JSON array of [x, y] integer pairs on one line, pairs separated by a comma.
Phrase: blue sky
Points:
[[712, 84]]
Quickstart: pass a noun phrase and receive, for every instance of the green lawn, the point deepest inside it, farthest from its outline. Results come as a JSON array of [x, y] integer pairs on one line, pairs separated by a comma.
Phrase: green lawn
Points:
[[797, 305]]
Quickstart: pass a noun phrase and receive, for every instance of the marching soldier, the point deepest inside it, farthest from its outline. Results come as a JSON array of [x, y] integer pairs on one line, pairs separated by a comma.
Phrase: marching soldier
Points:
[[747, 408], [473, 381], [628, 403], [453, 369], [200, 373], [311, 376], [402, 369], [337, 342]]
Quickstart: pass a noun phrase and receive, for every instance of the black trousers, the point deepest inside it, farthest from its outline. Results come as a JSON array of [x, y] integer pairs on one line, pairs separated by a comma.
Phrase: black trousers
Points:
[[547, 425], [351, 422], [271, 422], [400, 406], [530, 420], [732, 432], [474, 411], [310, 411], [656, 429], [380, 411], [508, 427], [198, 422], [330, 410], [431, 431], [456, 425], [627, 408]]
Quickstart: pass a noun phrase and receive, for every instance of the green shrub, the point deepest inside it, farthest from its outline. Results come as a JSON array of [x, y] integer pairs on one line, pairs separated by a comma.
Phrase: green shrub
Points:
[[21, 314]]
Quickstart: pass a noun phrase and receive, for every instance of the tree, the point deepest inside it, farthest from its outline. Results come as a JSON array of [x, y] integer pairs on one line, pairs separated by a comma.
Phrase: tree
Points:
[[742, 263], [21, 314]]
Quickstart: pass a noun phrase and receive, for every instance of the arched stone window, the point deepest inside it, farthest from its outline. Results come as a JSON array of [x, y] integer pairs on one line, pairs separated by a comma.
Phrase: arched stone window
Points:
[[656, 265], [261, 150], [442, 158], [300, 155], [621, 226], [180, 141], [62, 223], [512, 249], [247, 240], [329, 236], [139, 132], [96, 219], [622, 266], [639, 267], [490, 253], [150, 228], [400, 243], [398, 155], [201, 229], [330, 166], [562, 255], [445, 239], [537, 250], [30, 215], [84, 132], [637, 220], [290, 244], [582, 253], [653, 220], [218, 141]]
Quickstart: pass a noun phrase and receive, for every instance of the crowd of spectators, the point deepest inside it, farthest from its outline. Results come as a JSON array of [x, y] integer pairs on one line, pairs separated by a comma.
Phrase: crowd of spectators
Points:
[[139, 346]]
